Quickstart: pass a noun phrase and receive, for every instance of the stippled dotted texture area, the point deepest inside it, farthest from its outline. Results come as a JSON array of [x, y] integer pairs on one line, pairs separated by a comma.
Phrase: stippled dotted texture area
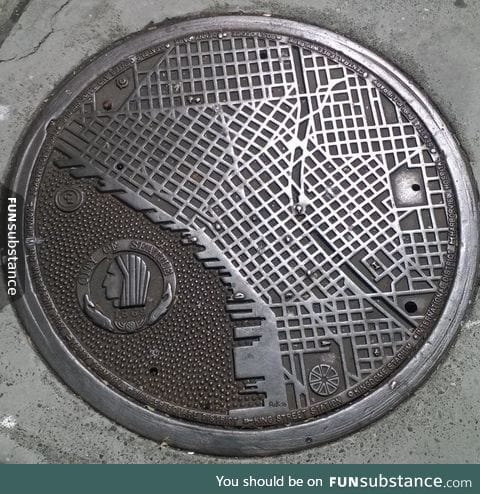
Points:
[[185, 358]]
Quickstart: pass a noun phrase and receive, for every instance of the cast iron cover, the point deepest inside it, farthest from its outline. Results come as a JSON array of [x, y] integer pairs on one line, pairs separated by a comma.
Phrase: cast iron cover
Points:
[[239, 232]]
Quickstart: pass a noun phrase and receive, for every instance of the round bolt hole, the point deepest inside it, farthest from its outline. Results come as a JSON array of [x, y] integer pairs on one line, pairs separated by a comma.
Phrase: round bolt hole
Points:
[[411, 307], [107, 104], [153, 371], [119, 166], [416, 187], [122, 82]]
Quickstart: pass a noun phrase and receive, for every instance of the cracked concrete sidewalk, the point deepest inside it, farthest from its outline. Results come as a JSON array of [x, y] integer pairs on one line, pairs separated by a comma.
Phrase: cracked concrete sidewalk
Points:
[[15, 49], [435, 42]]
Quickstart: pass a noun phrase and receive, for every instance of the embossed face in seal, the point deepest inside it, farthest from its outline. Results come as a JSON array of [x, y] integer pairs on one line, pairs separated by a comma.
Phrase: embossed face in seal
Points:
[[126, 286], [239, 234]]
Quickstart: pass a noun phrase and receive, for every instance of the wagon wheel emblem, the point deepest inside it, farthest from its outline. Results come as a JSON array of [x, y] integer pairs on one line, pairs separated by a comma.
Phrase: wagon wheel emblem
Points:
[[324, 380]]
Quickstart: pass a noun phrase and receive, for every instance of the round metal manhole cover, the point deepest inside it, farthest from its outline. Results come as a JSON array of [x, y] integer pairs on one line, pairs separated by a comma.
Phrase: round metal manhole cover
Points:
[[240, 231]]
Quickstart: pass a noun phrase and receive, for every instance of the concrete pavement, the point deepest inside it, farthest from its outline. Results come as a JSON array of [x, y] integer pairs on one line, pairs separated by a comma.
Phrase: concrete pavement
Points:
[[434, 41]]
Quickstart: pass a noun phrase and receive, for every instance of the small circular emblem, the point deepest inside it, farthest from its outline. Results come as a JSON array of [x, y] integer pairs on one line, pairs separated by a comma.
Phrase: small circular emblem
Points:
[[126, 286], [324, 380], [68, 199]]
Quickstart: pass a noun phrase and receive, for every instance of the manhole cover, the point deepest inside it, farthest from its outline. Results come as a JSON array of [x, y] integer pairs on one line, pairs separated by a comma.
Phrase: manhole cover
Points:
[[238, 224]]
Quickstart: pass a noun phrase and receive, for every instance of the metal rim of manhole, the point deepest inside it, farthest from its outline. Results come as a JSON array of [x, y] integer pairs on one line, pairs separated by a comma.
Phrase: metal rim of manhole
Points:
[[239, 232]]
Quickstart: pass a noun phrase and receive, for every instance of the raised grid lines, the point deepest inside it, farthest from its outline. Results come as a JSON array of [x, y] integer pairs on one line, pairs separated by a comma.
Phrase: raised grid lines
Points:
[[297, 169]]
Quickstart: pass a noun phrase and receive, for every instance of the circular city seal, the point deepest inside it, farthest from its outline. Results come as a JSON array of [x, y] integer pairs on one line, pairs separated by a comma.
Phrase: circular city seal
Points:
[[126, 285]]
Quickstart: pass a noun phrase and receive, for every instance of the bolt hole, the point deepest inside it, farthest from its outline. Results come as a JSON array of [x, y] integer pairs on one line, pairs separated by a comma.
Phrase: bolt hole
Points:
[[153, 371], [122, 82], [263, 54], [119, 166], [411, 307], [416, 187], [107, 104]]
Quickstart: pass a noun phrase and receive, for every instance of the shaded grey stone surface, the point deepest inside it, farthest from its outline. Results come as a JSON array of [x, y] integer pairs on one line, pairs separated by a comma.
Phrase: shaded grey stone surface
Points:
[[436, 43]]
